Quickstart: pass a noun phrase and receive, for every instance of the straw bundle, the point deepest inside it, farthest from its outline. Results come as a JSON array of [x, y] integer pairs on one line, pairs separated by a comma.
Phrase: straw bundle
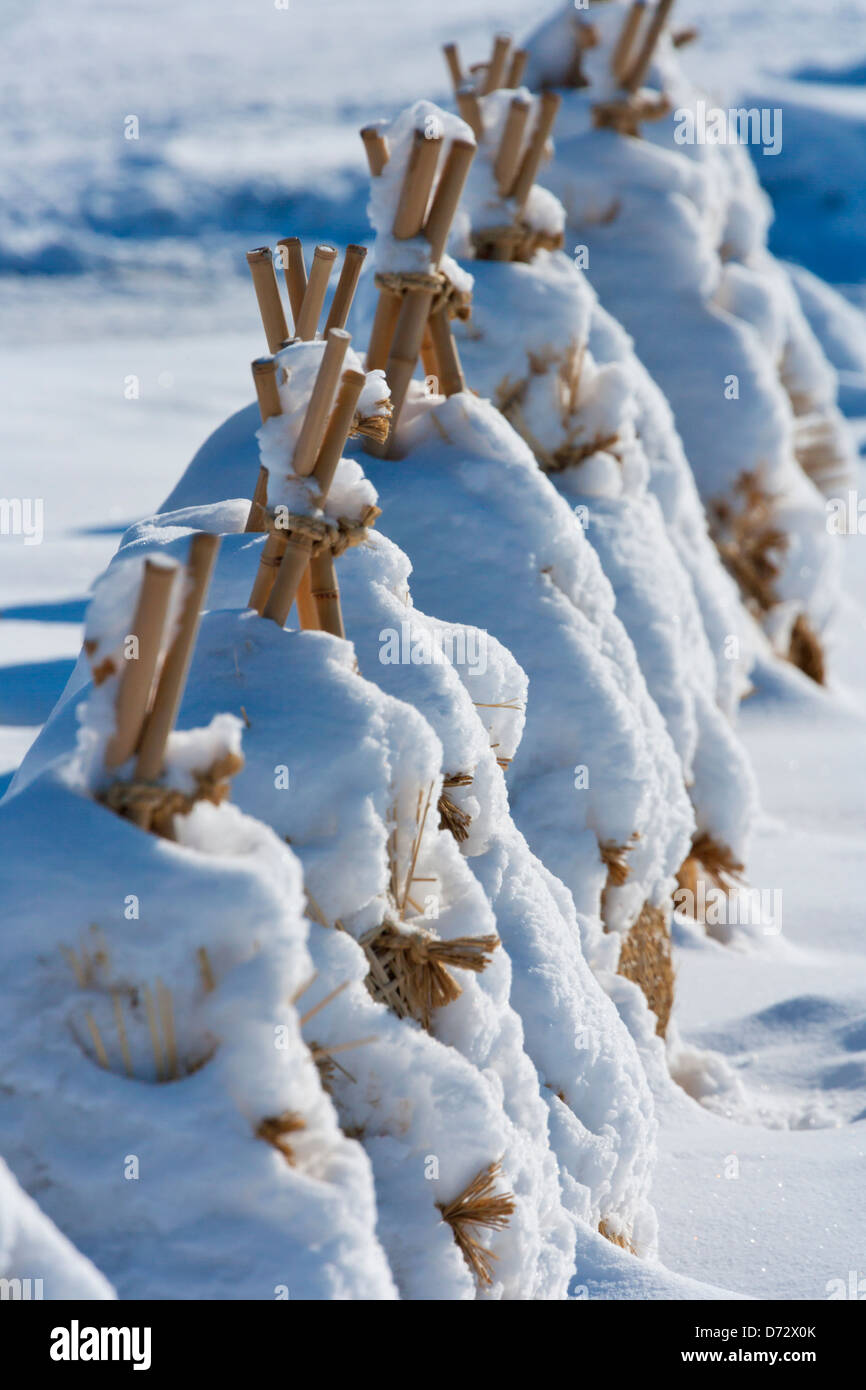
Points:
[[479, 1208], [752, 546], [409, 968], [419, 305], [451, 816], [645, 959], [157, 1006], [275, 1130], [710, 858], [607, 1227]]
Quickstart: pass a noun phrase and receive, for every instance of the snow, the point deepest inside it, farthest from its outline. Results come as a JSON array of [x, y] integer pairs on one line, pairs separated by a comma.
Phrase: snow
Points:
[[132, 256]]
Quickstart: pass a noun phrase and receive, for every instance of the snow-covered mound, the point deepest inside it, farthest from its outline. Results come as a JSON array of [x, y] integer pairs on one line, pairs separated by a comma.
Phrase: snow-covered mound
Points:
[[351, 779], [529, 347], [675, 240], [36, 1260]]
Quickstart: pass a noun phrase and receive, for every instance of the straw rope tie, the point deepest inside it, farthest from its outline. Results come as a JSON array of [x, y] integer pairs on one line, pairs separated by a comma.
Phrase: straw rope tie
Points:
[[518, 241], [409, 968], [153, 807], [327, 536], [446, 295]]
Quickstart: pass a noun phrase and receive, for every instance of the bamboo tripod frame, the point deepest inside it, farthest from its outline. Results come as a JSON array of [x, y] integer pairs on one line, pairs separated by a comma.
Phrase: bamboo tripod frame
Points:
[[288, 571], [409, 324]]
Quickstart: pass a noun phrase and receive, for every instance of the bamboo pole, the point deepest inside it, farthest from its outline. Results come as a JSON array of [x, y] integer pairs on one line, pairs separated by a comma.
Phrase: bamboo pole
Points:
[[429, 360], [331, 449], [134, 690], [470, 110], [508, 154], [447, 196], [519, 60], [529, 164], [452, 58], [346, 286], [321, 399], [261, 266], [319, 606], [375, 148], [326, 594], [314, 296], [495, 75], [405, 350], [640, 67], [382, 332], [169, 691], [295, 272], [268, 396], [451, 378], [627, 37], [417, 182], [297, 554], [270, 559]]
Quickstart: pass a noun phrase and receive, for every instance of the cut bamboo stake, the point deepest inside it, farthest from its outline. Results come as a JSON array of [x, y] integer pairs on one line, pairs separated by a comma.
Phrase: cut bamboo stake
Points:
[[382, 332], [429, 360], [134, 691], [549, 105], [470, 109], [169, 691], [495, 75], [261, 266], [411, 211], [519, 60], [268, 395], [508, 154], [447, 196], [323, 589], [624, 46], [295, 272], [314, 297], [640, 67], [452, 58], [331, 449], [376, 149], [346, 286], [450, 373], [321, 399]]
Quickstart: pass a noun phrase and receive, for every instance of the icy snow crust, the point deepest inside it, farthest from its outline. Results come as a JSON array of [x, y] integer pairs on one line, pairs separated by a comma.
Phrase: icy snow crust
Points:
[[677, 235]]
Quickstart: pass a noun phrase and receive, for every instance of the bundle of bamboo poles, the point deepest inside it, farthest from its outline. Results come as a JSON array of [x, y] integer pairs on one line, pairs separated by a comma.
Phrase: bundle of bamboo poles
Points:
[[413, 315], [297, 560], [516, 162], [630, 62], [149, 695]]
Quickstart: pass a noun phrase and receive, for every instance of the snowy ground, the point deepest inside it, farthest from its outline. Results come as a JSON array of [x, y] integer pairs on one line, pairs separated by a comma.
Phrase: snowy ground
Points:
[[123, 259]]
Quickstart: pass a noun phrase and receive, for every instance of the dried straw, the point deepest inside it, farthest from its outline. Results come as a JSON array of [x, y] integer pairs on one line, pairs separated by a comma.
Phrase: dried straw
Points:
[[410, 968], [479, 1208], [275, 1129], [645, 958]]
